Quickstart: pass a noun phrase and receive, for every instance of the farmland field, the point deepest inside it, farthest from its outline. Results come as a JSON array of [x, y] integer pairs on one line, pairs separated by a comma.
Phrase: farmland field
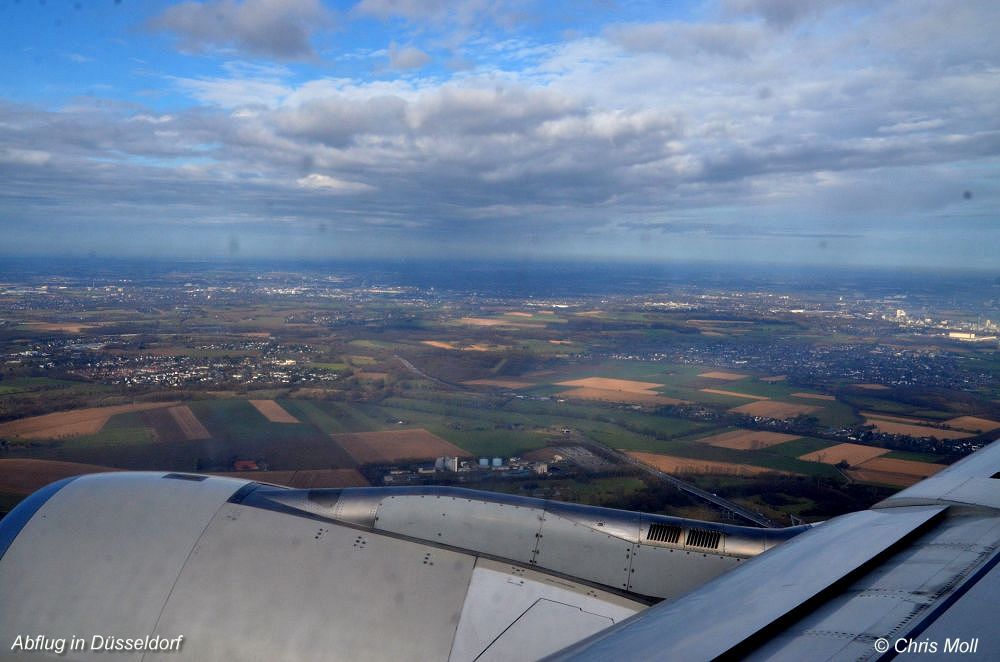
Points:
[[734, 394], [607, 384], [853, 454], [725, 376], [273, 412], [395, 445], [72, 423], [681, 465], [775, 409], [747, 439], [973, 424], [895, 427], [188, 423], [605, 395]]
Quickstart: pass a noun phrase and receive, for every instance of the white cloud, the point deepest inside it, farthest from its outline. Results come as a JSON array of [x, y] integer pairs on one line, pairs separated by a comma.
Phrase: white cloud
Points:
[[332, 184], [31, 157]]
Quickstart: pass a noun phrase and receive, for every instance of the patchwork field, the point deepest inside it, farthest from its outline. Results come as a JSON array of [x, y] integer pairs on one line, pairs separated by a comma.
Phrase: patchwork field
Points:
[[890, 471], [899, 419], [630, 397], [304, 478], [679, 465], [973, 424], [606, 384], [747, 439], [74, 423], [440, 344], [895, 427], [502, 383], [734, 394], [775, 409], [853, 454], [395, 445], [65, 327], [723, 375], [815, 396], [273, 412], [26, 476], [188, 423], [486, 321]]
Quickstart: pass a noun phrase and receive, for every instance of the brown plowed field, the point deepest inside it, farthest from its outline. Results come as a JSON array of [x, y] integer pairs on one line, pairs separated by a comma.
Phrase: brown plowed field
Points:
[[908, 467], [872, 387], [440, 344], [72, 423], [503, 383], [395, 445], [898, 419], [722, 374], [273, 411], [632, 397], [814, 396], [734, 394], [973, 424], [899, 473], [304, 478], [744, 440], [189, 424], [606, 384], [854, 454], [26, 476], [893, 427], [775, 409], [673, 464], [67, 327], [485, 321]]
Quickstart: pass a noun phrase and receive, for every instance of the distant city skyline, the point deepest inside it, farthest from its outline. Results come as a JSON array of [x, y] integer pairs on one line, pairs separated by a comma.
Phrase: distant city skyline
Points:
[[786, 131]]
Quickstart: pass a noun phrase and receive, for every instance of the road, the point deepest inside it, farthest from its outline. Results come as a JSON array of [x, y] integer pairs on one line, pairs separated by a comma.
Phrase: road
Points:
[[682, 485], [420, 373], [694, 491]]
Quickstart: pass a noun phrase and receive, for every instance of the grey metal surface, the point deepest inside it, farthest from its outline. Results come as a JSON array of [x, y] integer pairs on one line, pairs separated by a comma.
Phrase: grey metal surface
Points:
[[973, 617], [499, 529], [723, 614], [101, 555], [499, 596], [140, 555], [265, 586], [586, 542], [897, 599], [671, 572], [576, 549], [544, 628]]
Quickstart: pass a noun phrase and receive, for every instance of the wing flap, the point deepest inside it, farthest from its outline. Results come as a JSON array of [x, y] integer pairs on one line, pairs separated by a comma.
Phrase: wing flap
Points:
[[746, 604]]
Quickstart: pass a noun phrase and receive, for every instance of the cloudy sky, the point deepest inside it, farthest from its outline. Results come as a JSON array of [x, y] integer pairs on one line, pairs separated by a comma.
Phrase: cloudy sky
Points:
[[812, 131]]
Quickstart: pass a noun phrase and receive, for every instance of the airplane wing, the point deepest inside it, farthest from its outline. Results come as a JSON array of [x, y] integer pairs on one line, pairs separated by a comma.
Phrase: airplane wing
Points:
[[246, 571], [243, 570], [915, 574]]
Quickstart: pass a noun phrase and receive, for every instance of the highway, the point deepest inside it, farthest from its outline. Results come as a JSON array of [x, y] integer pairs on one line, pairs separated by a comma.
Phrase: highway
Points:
[[694, 491]]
